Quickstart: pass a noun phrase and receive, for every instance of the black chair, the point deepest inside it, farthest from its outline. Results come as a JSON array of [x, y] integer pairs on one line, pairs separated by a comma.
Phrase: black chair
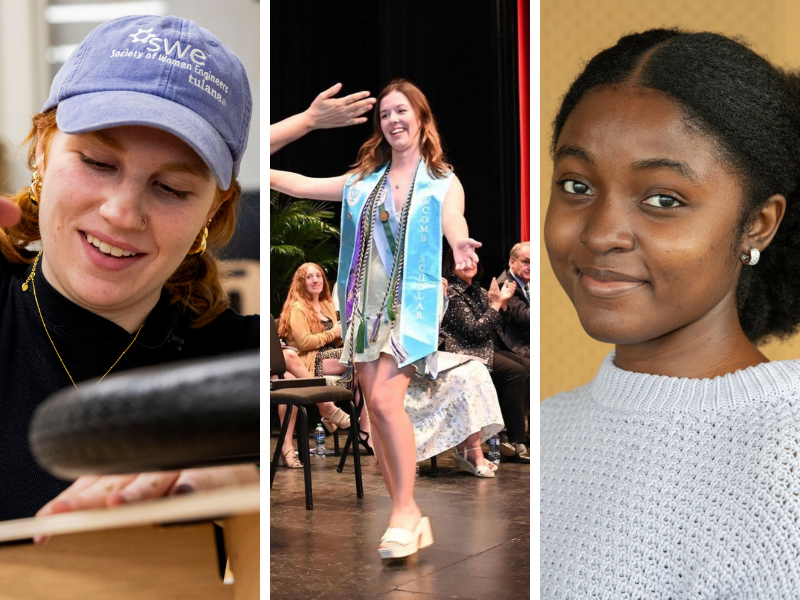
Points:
[[299, 393]]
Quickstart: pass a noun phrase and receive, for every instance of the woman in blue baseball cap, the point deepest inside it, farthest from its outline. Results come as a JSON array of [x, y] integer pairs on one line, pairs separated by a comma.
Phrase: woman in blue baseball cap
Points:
[[107, 261]]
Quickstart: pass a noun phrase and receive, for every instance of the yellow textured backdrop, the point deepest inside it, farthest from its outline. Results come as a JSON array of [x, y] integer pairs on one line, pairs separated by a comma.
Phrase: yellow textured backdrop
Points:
[[572, 31]]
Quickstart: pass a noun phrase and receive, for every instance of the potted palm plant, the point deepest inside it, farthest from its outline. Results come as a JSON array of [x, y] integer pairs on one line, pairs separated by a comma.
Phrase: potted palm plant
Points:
[[300, 231]]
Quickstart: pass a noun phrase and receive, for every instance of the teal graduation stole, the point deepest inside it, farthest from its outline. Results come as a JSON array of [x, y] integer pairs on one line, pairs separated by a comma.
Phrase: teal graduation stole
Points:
[[420, 260]]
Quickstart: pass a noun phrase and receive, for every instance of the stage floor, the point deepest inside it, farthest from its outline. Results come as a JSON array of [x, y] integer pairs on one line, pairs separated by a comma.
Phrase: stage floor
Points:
[[481, 529]]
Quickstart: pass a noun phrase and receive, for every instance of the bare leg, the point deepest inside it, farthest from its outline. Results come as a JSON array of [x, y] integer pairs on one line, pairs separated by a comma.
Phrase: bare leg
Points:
[[385, 386], [387, 474], [332, 366], [294, 365], [287, 441]]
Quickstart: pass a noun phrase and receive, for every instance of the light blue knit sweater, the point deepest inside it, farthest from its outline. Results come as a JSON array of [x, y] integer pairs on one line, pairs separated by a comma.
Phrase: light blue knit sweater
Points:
[[662, 487]]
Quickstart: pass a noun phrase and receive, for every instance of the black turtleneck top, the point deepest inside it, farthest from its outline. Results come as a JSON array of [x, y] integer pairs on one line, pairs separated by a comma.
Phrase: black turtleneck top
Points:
[[89, 344]]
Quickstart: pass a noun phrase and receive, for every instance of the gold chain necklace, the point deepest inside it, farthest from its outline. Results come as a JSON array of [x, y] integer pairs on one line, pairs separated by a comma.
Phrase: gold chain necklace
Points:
[[33, 283]]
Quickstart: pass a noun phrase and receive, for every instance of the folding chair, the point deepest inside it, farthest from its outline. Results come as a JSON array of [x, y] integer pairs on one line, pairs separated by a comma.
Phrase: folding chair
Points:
[[300, 393]]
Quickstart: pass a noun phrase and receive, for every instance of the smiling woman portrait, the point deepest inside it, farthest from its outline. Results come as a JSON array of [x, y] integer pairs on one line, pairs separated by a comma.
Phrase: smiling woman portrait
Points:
[[108, 260], [673, 227]]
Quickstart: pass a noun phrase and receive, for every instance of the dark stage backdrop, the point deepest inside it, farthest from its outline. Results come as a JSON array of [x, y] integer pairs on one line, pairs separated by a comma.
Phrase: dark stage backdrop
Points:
[[462, 54]]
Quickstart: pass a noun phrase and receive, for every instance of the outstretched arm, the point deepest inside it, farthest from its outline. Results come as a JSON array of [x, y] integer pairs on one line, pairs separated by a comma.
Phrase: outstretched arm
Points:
[[325, 112], [454, 226], [314, 188]]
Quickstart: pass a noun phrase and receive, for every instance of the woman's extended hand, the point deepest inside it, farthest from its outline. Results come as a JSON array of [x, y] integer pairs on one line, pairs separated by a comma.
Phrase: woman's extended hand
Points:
[[464, 254], [327, 112], [92, 491], [9, 213], [337, 329]]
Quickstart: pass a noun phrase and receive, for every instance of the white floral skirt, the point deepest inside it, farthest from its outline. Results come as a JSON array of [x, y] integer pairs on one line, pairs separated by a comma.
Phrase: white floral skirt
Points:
[[445, 411]]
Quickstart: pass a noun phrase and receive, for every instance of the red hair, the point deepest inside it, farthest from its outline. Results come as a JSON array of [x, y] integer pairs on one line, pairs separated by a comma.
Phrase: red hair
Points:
[[376, 151], [298, 295]]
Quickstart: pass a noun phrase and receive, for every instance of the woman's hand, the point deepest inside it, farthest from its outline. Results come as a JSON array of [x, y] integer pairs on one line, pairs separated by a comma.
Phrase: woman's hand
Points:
[[495, 297], [9, 213], [509, 287], [327, 112], [337, 329], [107, 491], [464, 254]]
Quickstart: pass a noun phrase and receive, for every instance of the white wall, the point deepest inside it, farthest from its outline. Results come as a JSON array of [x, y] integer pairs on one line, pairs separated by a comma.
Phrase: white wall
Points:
[[235, 22], [24, 82], [25, 75]]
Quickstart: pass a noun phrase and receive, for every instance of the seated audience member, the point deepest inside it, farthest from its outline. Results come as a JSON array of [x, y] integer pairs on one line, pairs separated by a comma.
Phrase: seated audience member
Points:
[[459, 409], [517, 333], [308, 323], [472, 325]]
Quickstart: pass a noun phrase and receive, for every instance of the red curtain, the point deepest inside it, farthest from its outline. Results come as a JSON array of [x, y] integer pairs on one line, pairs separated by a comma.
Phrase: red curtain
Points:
[[523, 51]]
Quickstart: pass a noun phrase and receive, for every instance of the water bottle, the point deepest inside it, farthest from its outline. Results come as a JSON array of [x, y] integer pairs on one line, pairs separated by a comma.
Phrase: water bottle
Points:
[[494, 450], [319, 438]]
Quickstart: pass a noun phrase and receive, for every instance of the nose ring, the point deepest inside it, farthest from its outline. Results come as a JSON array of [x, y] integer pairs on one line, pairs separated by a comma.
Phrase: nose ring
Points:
[[144, 224]]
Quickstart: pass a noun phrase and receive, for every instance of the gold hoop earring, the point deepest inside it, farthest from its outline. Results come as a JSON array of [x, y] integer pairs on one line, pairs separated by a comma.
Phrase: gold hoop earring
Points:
[[36, 186], [144, 224], [202, 237]]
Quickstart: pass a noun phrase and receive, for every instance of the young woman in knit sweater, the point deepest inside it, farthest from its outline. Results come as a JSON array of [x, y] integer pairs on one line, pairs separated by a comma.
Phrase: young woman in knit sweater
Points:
[[674, 474]]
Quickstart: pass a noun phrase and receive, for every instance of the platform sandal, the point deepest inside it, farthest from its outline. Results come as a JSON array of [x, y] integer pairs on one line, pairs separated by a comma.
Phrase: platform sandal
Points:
[[405, 542]]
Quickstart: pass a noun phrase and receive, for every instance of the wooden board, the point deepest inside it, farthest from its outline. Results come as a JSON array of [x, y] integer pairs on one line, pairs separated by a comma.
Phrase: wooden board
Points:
[[212, 504], [126, 554]]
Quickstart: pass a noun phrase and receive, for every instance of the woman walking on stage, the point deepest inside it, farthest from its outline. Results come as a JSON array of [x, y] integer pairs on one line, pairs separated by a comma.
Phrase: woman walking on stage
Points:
[[399, 200]]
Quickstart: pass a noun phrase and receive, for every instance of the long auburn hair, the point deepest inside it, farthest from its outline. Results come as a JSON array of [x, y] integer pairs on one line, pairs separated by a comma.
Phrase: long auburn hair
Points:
[[298, 294], [195, 284], [376, 151]]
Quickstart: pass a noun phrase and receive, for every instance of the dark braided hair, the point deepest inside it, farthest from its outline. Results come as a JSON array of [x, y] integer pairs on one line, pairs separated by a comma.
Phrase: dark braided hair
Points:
[[751, 109]]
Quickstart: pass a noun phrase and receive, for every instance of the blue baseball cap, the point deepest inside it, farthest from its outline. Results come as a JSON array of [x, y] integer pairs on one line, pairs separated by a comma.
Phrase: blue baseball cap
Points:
[[162, 72]]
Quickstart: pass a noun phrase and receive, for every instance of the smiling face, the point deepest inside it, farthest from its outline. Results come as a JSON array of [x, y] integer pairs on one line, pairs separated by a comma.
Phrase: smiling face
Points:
[[399, 123], [97, 190], [315, 282], [641, 223]]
